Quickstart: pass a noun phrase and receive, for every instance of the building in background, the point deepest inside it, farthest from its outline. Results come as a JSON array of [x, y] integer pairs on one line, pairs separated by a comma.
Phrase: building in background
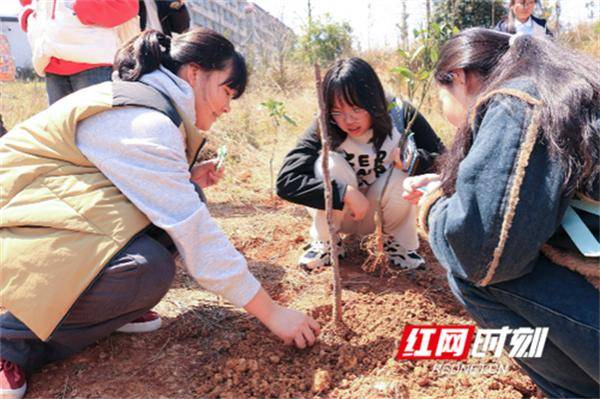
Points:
[[17, 39], [252, 29]]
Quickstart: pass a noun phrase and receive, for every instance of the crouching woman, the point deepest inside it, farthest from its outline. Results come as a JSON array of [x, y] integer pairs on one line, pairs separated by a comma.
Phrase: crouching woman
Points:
[[98, 192], [528, 118]]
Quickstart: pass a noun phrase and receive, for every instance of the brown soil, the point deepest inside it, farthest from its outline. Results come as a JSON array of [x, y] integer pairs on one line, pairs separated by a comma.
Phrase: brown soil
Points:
[[207, 348]]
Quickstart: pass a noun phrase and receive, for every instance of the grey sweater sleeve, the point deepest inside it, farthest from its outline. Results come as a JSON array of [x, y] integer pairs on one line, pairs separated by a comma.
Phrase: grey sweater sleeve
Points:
[[143, 153]]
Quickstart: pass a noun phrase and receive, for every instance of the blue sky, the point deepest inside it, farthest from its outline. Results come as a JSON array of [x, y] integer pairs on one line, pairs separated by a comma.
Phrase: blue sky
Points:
[[378, 30]]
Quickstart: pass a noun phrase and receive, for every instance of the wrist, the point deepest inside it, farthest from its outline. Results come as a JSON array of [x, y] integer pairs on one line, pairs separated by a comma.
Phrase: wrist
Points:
[[261, 306], [349, 194], [424, 206]]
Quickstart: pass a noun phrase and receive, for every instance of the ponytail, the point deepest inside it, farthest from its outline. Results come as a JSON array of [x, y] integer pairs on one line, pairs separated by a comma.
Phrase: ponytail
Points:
[[206, 48], [566, 85], [144, 54]]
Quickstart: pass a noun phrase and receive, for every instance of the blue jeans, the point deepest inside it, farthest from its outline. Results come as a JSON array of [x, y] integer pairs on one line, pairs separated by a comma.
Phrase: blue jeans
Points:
[[58, 86], [554, 297]]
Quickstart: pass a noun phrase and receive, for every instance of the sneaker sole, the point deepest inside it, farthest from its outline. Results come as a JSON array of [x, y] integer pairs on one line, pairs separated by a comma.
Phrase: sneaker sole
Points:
[[13, 393], [134, 328]]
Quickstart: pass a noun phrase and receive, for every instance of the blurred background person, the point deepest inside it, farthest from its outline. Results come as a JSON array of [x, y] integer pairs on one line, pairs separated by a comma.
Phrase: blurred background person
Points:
[[166, 16], [74, 42], [521, 21]]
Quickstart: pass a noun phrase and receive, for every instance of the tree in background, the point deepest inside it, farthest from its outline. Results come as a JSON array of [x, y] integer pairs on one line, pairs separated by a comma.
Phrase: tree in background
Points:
[[403, 26], [544, 9], [325, 40], [590, 6], [278, 115], [468, 13], [282, 59], [550, 10]]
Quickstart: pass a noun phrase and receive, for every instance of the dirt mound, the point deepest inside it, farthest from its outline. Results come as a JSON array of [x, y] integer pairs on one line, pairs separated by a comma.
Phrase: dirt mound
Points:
[[207, 348]]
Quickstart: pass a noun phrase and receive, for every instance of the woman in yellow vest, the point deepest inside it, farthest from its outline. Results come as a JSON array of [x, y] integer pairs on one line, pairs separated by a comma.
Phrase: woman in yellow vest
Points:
[[100, 190]]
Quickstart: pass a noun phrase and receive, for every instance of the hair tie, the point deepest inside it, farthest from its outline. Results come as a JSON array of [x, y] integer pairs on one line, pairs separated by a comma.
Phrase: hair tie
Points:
[[164, 43]]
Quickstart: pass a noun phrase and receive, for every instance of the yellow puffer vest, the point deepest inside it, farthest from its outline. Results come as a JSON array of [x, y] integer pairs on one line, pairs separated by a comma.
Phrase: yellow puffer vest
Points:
[[61, 219]]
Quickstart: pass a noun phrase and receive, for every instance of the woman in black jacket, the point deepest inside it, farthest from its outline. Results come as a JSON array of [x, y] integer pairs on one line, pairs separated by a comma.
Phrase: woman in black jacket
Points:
[[365, 137]]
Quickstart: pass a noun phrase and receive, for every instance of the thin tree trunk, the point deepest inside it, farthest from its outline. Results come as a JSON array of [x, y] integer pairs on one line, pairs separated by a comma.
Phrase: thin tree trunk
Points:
[[558, 10], [428, 14], [337, 287]]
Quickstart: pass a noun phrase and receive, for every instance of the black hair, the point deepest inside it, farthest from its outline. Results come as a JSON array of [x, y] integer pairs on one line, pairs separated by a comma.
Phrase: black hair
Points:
[[206, 48], [354, 81], [568, 88]]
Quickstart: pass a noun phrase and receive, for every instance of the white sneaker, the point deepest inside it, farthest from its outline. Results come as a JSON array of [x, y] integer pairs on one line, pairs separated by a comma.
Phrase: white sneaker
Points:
[[318, 255], [401, 258], [12, 380]]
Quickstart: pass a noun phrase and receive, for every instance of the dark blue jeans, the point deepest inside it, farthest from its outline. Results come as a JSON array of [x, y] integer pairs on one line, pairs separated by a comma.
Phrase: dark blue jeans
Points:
[[554, 297], [58, 86], [132, 283]]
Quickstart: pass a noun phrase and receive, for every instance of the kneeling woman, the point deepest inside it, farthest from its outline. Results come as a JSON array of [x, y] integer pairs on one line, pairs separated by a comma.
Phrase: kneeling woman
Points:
[[528, 113], [98, 190], [366, 130]]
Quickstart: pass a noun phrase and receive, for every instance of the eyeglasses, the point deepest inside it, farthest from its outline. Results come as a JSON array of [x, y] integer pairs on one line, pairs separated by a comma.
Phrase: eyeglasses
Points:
[[354, 114]]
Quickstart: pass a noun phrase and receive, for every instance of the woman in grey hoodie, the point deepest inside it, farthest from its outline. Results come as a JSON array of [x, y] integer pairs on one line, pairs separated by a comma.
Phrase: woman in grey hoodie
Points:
[[139, 148]]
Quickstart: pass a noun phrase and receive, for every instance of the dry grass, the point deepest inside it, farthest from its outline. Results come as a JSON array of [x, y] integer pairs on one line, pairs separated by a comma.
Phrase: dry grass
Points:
[[19, 100], [586, 38], [190, 356], [247, 130]]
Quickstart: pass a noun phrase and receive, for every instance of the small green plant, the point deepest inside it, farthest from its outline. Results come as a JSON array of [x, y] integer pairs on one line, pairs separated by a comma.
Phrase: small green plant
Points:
[[416, 73], [278, 115]]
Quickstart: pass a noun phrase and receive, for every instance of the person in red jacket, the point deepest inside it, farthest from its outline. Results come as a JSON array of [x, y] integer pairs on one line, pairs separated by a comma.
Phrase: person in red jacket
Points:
[[74, 41]]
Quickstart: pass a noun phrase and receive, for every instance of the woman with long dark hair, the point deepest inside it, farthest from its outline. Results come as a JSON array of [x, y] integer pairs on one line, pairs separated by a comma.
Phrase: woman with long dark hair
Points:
[[366, 129], [101, 189], [528, 118]]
